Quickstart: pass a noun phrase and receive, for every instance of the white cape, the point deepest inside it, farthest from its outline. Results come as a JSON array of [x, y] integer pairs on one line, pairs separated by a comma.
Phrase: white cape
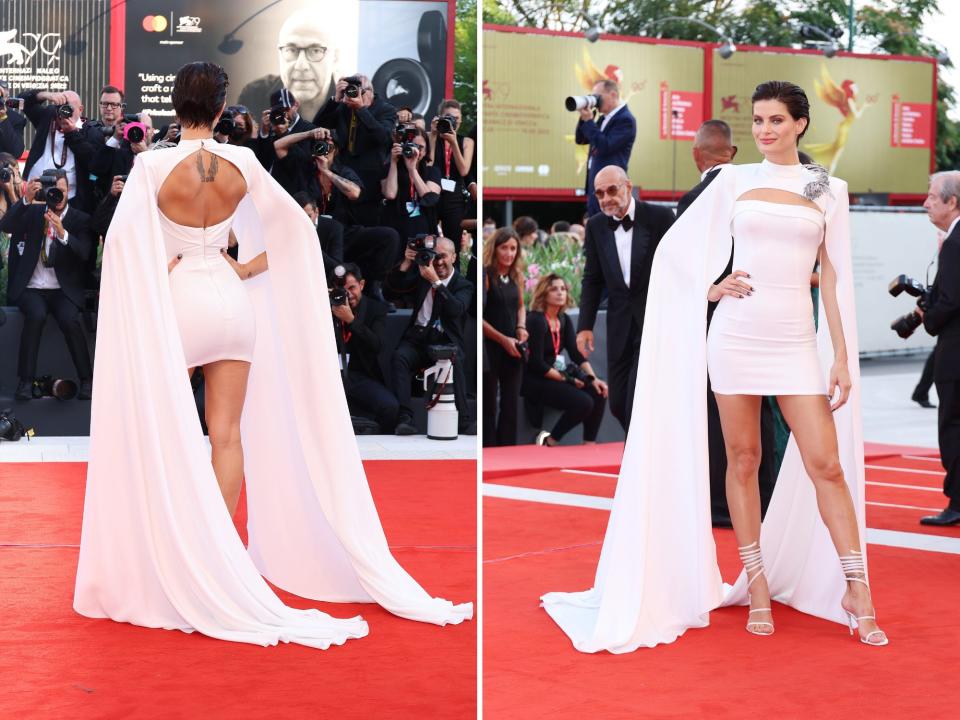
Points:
[[158, 547], [658, 573]]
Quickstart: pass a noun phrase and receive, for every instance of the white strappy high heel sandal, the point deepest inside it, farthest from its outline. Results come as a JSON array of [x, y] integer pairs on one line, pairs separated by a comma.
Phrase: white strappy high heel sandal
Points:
[[752, 561], [854, 570]]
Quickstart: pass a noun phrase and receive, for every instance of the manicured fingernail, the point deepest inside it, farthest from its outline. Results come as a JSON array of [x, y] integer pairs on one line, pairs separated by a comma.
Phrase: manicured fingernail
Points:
[[750, 293], [741, 296], [180, 256]]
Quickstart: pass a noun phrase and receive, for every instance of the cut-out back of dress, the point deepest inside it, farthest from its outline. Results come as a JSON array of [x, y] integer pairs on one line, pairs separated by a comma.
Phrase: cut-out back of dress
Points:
[[202, 190]]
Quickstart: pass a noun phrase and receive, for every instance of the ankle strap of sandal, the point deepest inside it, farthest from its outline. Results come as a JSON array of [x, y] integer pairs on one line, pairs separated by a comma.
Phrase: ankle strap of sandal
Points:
[[752, 560], [854, 568]]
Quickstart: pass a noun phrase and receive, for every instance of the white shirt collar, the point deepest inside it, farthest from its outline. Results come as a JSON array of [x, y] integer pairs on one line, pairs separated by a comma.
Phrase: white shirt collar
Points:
[[613, 112], [952, 226], [631, 209], [449, 277]]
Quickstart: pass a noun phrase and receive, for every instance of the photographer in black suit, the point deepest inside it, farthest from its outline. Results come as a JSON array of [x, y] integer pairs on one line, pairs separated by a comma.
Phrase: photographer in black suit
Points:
[[619, 248], [941, 318], [440, 301], [12, 124], [63, 142], [52, 244], [360, 336]]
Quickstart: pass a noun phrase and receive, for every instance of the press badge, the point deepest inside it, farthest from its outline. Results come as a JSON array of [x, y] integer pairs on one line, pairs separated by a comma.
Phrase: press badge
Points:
[[344, 361], [448, 185], [413, 209], [21, 246]]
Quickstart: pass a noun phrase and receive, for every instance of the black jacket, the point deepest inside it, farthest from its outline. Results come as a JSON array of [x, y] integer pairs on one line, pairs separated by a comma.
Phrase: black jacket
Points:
[[942, 318], [11, 133], [601, 270], [25, 225], [84, 143], [688, 198], [453, 300], [540, 342], [365, 335]]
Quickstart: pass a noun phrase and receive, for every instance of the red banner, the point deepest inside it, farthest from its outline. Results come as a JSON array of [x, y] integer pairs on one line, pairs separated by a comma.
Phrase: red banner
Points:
[[911, 124], [681, 113]]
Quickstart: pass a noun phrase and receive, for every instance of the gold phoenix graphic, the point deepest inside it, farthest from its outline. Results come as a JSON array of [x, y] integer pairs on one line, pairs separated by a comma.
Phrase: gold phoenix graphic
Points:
[[843, 97]]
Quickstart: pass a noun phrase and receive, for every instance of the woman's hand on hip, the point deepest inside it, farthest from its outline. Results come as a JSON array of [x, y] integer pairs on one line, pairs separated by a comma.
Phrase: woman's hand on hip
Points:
[[731, 285]]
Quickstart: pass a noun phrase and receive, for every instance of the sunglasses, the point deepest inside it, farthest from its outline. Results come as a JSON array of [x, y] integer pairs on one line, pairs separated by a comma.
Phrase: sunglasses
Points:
[[611, 191], [239, 109]]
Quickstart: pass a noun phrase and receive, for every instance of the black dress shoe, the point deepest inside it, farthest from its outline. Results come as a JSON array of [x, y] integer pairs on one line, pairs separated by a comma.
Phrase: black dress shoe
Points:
[[406, 427], [86, 389], [922, 400], [946, 517], [24, 390], [469, 428]]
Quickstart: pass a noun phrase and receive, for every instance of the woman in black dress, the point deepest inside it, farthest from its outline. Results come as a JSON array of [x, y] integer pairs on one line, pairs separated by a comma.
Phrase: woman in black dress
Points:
[[503, 327], [557, 375], [452, 155], [411, 192]]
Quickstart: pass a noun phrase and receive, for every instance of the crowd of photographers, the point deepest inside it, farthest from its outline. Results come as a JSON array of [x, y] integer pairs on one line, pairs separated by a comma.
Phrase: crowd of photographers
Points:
[[392, 196]]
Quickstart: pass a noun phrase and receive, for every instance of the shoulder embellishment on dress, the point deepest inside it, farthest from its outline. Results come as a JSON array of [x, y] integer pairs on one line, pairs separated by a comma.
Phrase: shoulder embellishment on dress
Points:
[[820, 184]]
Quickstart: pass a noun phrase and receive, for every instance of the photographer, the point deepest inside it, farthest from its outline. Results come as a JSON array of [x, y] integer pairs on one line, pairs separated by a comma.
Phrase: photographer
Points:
[[440, 300], [360, 325], [63, 141], [365, 124], [940, 311], [557, 375], [610, 136], [412, 189], [112, 104], [113, 164], [329, 233], [52, 243], [12, 124], [453, 155], [283, 123], [11, 190], [236, 127]]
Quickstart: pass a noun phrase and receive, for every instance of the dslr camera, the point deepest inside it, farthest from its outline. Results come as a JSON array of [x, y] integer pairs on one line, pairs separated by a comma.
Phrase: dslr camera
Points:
[[354, 86], [574, 372], [906, 324], [425, 245], [578, 102], [446, 124], [134, 131], [48, 386], [6, 173], [405, 134], [321, 148], [278, 115], [226, 126], [65, 111], [338, 293], [13, 103], [49, 192]]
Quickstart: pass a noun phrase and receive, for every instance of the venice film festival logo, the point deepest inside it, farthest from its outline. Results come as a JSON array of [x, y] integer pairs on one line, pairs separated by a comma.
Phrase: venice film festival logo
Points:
[[20, 53], [159, 23]]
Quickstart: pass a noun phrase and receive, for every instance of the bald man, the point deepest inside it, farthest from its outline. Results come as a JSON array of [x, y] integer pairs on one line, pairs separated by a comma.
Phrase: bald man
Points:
[[74, 144], [712, 149], [618, 247]]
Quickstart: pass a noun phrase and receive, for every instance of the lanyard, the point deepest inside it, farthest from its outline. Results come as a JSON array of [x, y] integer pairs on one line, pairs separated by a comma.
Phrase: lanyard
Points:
[[555, 336], [447, 153]]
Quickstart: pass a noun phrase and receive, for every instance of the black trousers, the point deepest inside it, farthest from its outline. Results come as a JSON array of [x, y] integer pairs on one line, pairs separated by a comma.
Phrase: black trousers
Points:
[[718, 457], [578, 405], [371, 397], [503, 378], [622, 378], [926, 379], [410, 357], [451, 214], [374, 249], [948, 435], [35, 306]]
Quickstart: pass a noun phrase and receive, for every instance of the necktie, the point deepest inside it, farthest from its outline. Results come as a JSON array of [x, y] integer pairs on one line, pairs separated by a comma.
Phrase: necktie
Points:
[[626, 222], [600, 119]]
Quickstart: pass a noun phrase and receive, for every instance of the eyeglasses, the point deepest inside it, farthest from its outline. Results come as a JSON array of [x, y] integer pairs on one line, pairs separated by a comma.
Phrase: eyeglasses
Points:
[[611, 191], [112, 105], [239, 109], [315, 53]]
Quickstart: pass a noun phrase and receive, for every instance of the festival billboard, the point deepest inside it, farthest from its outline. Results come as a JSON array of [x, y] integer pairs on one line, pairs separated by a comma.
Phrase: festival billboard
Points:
[[873, 118], [528, 135]]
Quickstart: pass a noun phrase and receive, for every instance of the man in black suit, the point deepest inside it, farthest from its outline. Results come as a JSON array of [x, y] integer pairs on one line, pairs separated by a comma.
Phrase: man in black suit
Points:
[[329, 232], [52, 243], [619, 248], [713, 148], [364, 126], [360, 329], [610, 136], [12, 124], [941, 318], [440, 301], [67, 143]]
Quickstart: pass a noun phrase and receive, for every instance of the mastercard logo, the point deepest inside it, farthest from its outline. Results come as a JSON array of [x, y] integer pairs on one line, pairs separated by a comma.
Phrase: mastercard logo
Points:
[[155, 23]]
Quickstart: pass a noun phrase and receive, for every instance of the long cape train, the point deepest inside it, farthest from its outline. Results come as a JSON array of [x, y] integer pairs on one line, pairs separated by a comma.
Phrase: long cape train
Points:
[[158, 547], [658, 573]]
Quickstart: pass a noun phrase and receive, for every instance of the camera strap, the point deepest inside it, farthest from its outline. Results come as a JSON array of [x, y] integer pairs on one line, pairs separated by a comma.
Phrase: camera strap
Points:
[[53, 141], [352, 133]]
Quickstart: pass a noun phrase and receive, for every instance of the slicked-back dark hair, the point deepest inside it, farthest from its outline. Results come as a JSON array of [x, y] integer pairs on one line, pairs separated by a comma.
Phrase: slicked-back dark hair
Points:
[[790, 95], [199, 91]]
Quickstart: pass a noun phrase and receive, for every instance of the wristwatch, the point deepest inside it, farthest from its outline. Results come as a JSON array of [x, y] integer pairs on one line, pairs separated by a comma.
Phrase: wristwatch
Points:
[[437, 285]]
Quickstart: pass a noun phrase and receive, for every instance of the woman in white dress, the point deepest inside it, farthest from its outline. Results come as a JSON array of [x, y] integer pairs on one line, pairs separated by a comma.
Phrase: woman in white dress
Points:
[[158, 546], [657, 574]]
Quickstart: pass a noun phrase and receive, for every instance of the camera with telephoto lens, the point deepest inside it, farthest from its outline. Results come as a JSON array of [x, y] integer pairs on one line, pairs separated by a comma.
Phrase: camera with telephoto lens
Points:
[[446, 124], [6, 173], [354, 86], [134, 132], [65, 111], [579, 102], [49, 192], [338, 293], [226, 125], [48, 386], [906, 324], [278, 115], [425, 245], [10, 428]]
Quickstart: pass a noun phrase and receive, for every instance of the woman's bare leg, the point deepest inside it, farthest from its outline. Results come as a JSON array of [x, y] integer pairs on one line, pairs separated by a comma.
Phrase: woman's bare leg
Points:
[[811, 423], [226, 389], [740, 421]]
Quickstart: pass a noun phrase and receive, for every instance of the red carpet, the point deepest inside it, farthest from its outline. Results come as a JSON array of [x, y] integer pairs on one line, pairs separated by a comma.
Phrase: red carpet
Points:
[[809, 669], [56, 664]]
